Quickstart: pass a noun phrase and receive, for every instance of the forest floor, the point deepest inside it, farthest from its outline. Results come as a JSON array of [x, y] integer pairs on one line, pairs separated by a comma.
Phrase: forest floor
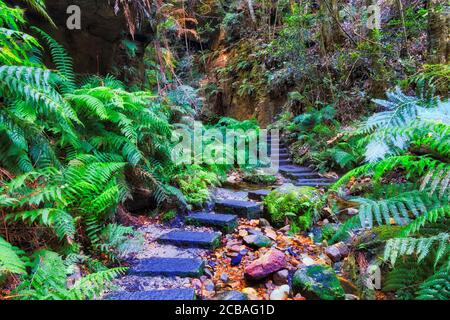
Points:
[[225, 267]]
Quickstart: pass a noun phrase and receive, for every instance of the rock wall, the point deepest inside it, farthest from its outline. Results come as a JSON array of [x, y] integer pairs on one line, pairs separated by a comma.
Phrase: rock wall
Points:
[[97, 48]]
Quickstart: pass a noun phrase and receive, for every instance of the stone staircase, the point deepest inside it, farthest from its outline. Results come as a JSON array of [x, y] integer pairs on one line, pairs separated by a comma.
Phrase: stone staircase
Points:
[[224, 218]]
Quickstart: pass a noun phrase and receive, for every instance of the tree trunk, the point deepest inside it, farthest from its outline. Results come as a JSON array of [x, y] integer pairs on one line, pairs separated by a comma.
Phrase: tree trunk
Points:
[[331, 31], [251, 10], [404, 51], [438, 32]]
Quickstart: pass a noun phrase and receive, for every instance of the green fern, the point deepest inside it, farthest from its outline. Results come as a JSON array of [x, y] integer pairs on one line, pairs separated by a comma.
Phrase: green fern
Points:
[[10, 260], [418, 246], [436, 287], [48, 280], [63, 62]]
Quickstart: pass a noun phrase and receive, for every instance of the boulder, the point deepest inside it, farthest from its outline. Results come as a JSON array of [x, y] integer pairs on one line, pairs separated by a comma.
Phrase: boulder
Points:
[[337, 252], [258, 240], [281, 277], [318, 282], [272, 261]]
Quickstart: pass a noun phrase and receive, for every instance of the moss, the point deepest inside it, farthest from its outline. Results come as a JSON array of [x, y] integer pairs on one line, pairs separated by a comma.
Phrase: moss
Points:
[[260, 179], [318, 282]]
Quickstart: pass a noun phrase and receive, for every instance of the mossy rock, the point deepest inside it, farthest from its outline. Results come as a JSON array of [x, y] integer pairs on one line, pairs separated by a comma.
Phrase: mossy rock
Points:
[[318, 282]]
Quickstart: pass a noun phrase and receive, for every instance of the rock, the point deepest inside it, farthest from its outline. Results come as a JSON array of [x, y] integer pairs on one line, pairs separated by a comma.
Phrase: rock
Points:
[[258, 241], [270, 233], [231, 295], [224, 277], [251, 293], [264, 223], [255, 231], [281, 277], [243, 233], [169, 294], [281, 293], [271, 262], [243, 251], [298, 296], [236, 260], [285, 229], [197, 284], [337, 252], [318, 282], [307, 260], [234, 248], [209, 285], [209, 273]]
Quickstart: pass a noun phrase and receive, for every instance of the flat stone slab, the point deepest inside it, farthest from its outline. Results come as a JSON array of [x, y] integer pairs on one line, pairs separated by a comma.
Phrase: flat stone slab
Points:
[[283, 162], [258, 195], [247, 209], [294, 169], [227, 222], [168, 294], [207, 240], [316, 180], [279, 150], [311, 184], [168, 267], [303, 175]]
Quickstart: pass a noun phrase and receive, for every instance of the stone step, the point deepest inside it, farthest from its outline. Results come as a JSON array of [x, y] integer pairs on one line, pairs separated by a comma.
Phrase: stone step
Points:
[[258, 195], [279, 150], [316, 180], [246, 209], [167, 294], [293, 169], [311, 184], [169, 267], [284, 162], [226, 222], [303, 175], [276, 146], [281, 156], [206, 240]]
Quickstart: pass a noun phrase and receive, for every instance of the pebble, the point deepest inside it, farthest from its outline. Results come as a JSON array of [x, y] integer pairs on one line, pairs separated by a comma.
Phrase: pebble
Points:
[[264, 223], [281, 277], [281, 293], [251, 293], [224, 277]]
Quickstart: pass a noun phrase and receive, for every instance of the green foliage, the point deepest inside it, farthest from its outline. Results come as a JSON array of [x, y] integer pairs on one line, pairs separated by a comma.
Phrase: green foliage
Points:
[[419, 203], [297, 205], [169, 215], [48, 280], [10, 259], [118, 241], [259, 178], [70, 154], [194, 182]]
